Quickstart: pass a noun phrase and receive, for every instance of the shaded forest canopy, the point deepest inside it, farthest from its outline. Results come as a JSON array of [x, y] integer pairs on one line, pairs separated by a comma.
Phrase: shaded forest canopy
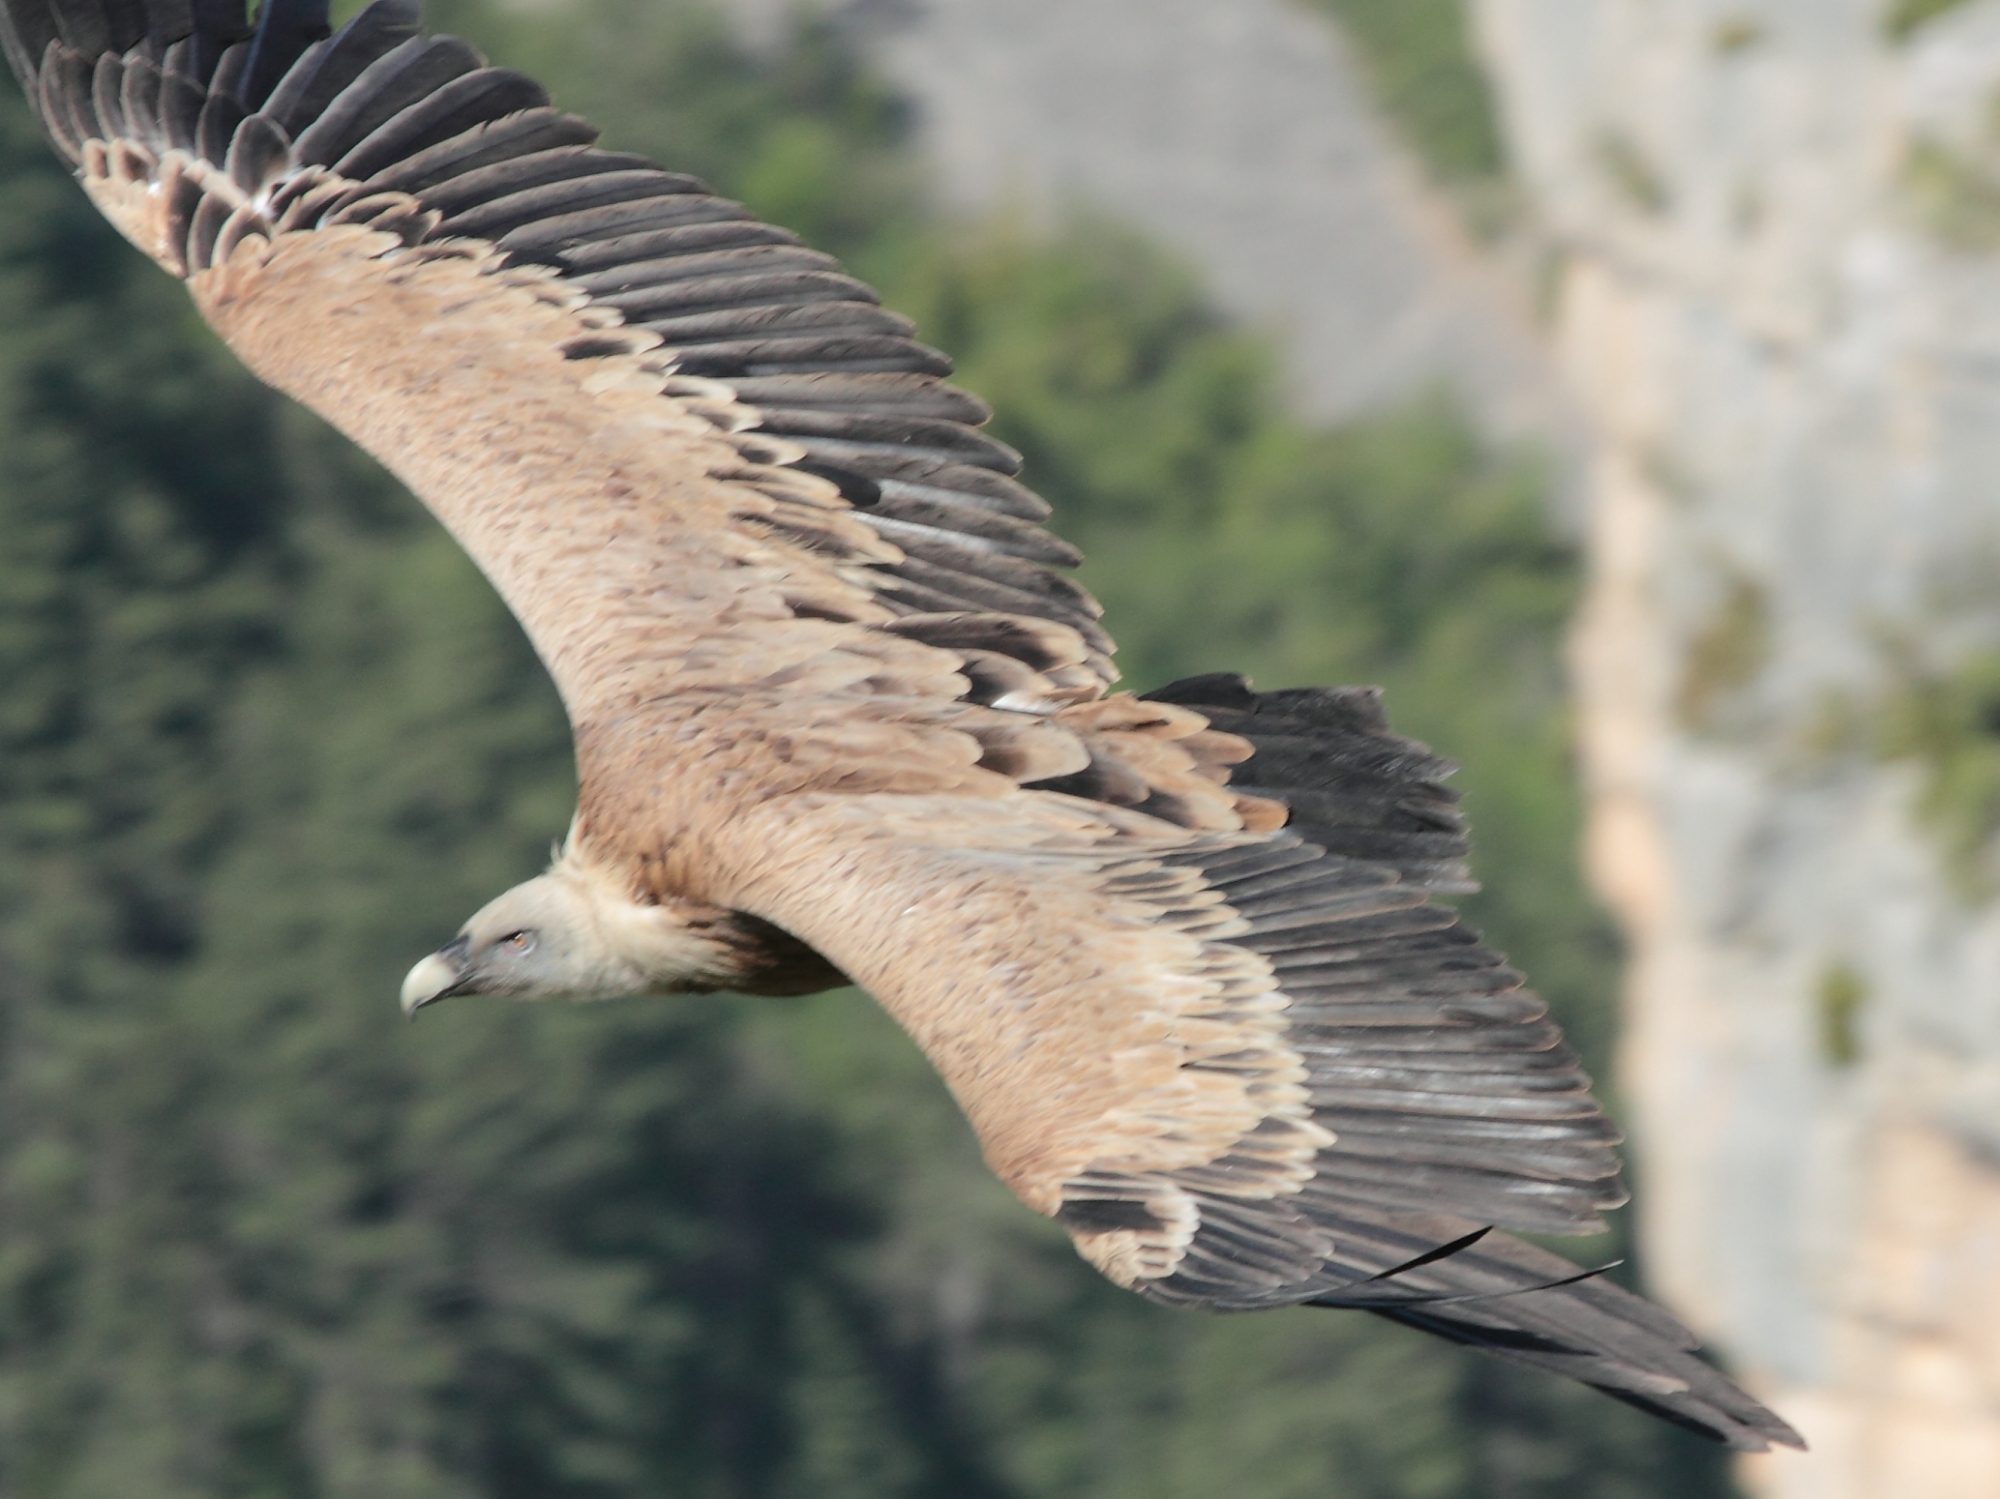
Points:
[[265, 736]]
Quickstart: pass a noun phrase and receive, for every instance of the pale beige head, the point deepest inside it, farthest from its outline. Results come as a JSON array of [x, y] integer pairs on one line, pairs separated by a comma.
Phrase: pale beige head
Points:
[[578, 933], [567, 934]]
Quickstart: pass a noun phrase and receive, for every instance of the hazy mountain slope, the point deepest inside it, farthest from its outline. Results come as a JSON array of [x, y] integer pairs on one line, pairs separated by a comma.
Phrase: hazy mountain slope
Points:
[[1240, 137]]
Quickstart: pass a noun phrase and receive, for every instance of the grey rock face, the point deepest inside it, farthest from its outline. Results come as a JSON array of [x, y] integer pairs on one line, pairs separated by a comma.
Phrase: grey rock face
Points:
[[1782, 305], [1236, 134]]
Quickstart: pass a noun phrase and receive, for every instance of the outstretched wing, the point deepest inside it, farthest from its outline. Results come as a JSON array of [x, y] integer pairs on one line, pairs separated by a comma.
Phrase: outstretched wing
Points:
[[719, 485], [1244, 1071], [667, 391], [825, 666]]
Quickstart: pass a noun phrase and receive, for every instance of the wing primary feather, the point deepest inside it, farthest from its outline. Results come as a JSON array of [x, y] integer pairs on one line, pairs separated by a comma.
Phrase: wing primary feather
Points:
[[66, 109], [966, 591], [1428, 1042], [553, 238], [126, 24], [918, 395], [437, 172], [1341, 967], [218, 26], [139, 98], [26, 29], [728, 233], [85, 29], [859, 353], [167, 23], [217, 126], [1387, 1122], [1337, 1053], [1471, 1296], [497, 217], [713, 293], [107, 86], [1056, 595], [1350, 935], [1306, 868], [205, 229], [636, 275], [392, 82], [539, 168], [181, 104], [278, 99], [467, 101], [229, 69], [959, 486], [323, 71], [718, 328], [966, 518], [912, 598], [258, 151], [286, 31], [869, 436], [1586, 1161], [1527, 1205], [1430, 1256], [922, 483], [1287, 910]]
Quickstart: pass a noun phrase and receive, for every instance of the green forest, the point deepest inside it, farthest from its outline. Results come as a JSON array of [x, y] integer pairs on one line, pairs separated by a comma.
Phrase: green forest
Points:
[[266, 737]]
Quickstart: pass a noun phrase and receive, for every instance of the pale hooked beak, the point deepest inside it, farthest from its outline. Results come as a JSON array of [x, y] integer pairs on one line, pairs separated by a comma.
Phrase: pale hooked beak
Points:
[[436, 977]]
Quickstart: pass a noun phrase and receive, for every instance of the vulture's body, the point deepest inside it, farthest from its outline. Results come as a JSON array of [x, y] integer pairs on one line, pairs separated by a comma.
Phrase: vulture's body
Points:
[[839, 714]]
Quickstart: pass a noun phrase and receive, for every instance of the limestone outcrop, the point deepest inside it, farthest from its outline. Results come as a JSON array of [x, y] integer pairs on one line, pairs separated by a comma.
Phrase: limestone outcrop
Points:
[[1777, 233]]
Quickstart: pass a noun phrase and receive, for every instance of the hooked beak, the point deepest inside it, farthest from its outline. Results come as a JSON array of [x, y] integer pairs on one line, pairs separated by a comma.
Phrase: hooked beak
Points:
[[439, 976]]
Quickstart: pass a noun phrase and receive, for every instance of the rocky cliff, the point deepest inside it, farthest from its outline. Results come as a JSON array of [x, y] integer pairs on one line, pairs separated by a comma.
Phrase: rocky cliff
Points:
[[1779, 229], [1239, 136]]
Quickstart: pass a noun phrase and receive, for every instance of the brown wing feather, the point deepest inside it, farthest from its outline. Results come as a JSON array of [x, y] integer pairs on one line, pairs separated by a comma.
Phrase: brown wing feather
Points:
[[1164, 1037], [505, 322]]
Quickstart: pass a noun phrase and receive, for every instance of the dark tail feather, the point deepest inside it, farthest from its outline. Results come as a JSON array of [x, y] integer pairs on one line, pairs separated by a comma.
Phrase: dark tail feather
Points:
[[1353, 786]]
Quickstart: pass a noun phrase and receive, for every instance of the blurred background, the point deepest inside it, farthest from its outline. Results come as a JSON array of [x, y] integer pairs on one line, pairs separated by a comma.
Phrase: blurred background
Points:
[[1615, 381]]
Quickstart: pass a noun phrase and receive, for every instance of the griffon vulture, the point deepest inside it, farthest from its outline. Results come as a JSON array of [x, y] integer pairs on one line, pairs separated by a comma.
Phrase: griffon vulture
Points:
[[840, 714]]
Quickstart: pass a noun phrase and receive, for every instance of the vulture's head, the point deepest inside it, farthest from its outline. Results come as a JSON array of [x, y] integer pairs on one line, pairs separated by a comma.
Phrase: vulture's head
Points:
[[573, 934], [563, 934]]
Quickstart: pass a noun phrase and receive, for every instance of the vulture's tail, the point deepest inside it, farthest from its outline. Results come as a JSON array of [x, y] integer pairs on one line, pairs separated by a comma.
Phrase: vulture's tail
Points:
[[1353, 785]]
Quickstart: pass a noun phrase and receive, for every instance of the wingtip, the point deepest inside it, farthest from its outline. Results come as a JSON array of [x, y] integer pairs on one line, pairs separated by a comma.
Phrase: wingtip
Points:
[[1772, 1429], [1763, 1438]]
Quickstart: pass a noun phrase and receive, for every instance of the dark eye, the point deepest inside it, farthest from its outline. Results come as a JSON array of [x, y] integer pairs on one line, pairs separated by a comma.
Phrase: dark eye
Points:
[[517, 943]]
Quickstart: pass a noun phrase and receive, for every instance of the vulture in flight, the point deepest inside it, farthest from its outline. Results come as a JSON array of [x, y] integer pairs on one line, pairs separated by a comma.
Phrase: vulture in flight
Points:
[[842, 715]]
